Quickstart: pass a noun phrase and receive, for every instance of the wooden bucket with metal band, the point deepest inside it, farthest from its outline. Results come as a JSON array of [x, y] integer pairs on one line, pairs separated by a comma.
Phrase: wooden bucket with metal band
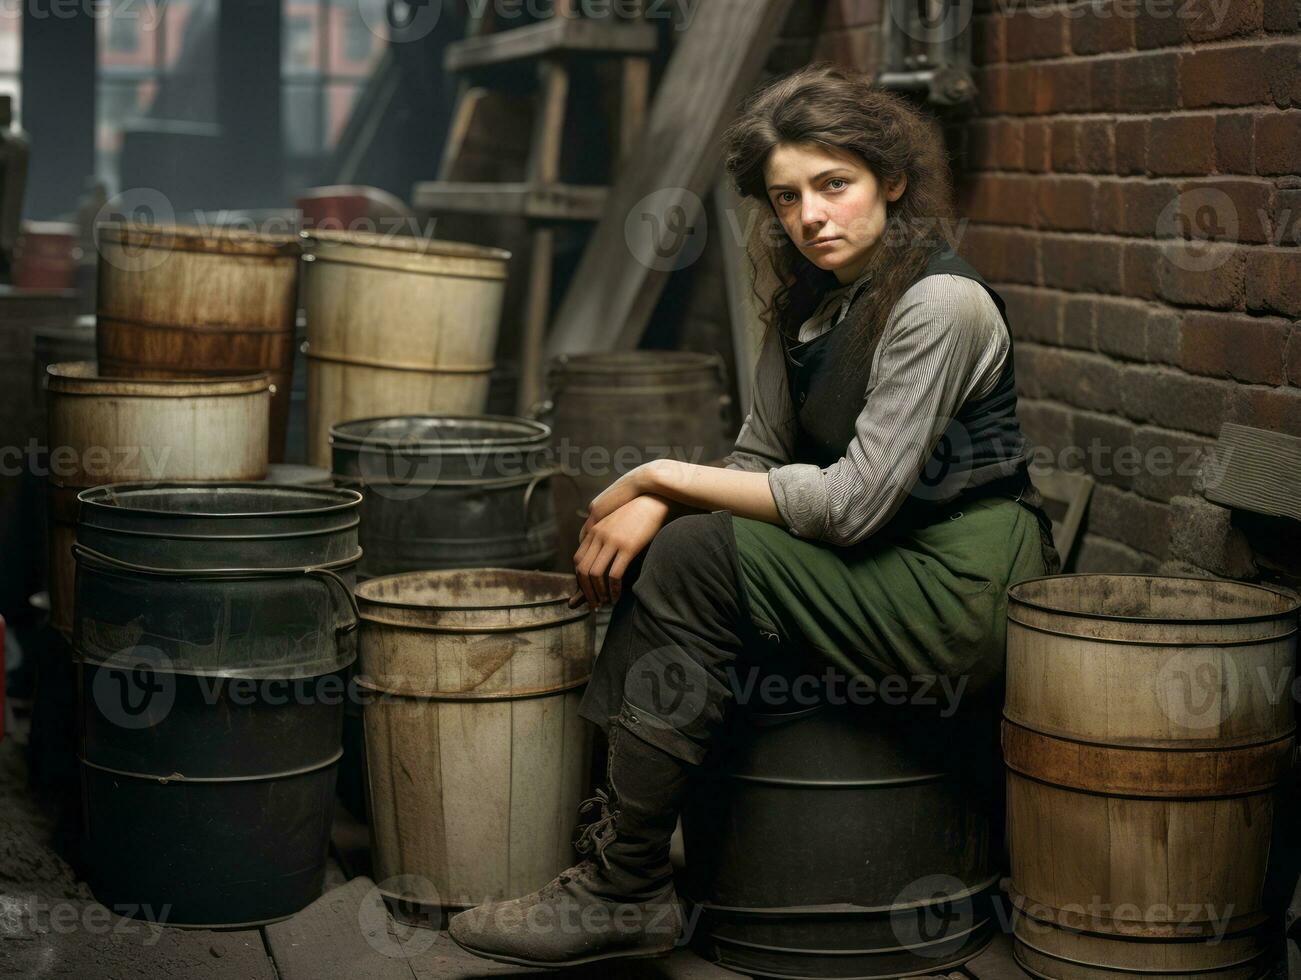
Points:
[[1147, 722], [117, 430], [396, 325], [179, 302], [475, 754]]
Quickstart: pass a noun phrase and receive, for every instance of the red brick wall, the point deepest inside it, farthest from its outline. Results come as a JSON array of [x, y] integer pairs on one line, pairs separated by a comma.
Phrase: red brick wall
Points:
[[1102, 132]]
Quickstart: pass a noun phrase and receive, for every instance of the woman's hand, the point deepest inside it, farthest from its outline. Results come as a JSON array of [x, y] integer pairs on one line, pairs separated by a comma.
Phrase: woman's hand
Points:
[[611, 543], [624, 490]]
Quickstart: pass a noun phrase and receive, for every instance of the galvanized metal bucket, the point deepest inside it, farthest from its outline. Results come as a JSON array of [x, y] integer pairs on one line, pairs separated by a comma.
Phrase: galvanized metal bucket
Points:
[[215, 627]]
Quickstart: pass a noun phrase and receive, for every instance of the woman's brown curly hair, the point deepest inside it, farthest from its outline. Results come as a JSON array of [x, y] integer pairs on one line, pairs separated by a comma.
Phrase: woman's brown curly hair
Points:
[[828, 106]]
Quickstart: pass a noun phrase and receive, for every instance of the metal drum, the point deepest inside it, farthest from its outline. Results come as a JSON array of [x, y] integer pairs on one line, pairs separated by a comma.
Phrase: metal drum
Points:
[[611, 412], [1144, 737], [446, 491], [214, 628], [846, 841]]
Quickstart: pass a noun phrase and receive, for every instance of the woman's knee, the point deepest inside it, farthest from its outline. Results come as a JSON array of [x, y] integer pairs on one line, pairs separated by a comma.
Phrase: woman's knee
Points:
[[683, 544]]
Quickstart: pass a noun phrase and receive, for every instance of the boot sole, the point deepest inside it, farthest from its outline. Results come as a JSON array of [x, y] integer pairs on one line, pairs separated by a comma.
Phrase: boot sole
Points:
[[632, 954]]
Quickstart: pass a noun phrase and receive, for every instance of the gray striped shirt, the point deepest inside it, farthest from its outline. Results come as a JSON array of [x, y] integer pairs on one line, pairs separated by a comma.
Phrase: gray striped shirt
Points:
[[943, 343]]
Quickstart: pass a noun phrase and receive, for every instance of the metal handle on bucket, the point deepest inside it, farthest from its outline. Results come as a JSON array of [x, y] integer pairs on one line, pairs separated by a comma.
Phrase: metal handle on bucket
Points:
[[326, 572]]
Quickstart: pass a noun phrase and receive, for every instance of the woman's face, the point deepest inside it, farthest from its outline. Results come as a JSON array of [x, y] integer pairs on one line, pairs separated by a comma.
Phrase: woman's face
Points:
[[829, 203]]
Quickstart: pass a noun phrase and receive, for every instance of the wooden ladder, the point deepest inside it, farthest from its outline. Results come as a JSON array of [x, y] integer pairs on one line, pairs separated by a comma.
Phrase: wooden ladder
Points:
[[543, 199]]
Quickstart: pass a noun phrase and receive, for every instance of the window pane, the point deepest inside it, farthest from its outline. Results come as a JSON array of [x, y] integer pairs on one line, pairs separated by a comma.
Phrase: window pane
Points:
[[300, 43], [128, 36], [355, 44], [339, 98], [188, 26], [301, 114], [11, 42]]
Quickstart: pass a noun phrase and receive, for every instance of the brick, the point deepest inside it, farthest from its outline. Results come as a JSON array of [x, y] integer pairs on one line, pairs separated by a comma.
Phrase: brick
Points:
[[1214, 19], [1278, 409], [1163, 334], [1033, 314], [1048, 428], [1079, 378], [1171, 462], [1283, 73], [1282, 15], [1174, 400], [853, 47], [1278, 142], [1002, 255], [1023, 96], [982, 144], [1095, 553], [991, 90], [988, 40], [1104, 96], [1202, 534], [1149, 82], [1010, 145], [1202, 274], [1223, 77], [1224, 209], [1062, 86], [1066, 204], [1037, 137], [1159, 26], [1131, 146], [1077, 322], [1107, 444], [1126, 517], [1292, 362], [1274, 281], [1235, 143], [1096, 146], [1120, 328], [1083, 264], [1065, 147], [1139, 269], [1037, 32], [1181, 145], [1133, 207], [1002, 199], [1098, 27], [1234, 346]]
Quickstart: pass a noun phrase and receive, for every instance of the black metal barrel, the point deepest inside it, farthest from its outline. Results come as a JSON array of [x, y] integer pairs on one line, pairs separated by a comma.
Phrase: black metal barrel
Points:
[[839, 841], [214, 629], [449, 491]]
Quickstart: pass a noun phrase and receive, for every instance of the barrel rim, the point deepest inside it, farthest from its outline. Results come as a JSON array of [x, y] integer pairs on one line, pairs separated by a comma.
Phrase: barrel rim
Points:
[[1294, 601], [61, 379], [346, 499], [339, 436], [204, 239], [409, 244], [560, 577]]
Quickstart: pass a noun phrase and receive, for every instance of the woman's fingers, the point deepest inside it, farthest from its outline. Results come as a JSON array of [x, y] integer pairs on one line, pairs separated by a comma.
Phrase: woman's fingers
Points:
[[581, 560], [600, 567], [615, 575]]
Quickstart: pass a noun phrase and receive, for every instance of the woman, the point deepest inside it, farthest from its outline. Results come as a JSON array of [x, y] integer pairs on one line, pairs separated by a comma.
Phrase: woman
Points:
[[873, 513]]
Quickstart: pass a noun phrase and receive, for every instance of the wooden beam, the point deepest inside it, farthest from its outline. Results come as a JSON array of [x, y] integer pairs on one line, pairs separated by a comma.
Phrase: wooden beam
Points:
[[1255, 470], [716, 63], [544, 202], [551, 38]]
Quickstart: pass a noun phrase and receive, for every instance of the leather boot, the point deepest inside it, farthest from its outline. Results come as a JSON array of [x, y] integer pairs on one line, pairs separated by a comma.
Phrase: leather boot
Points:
[[619, 902]]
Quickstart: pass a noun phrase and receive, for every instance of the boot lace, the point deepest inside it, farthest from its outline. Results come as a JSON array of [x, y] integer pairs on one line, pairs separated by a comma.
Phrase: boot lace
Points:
[[596, 834]]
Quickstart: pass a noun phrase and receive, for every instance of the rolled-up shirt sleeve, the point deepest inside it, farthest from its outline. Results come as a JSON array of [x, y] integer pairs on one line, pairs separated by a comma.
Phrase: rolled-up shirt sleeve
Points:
[[767, 437], [943, 343]]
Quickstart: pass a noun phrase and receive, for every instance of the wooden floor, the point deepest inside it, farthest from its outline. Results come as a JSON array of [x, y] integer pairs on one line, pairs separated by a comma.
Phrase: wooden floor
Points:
[[50, 925]]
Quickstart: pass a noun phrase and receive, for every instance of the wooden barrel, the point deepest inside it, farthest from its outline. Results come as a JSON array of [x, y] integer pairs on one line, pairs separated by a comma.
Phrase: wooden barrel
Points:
[[476, 756], [396, 326], [199, 303], [1147, 722], [611, 412], [113, 430]]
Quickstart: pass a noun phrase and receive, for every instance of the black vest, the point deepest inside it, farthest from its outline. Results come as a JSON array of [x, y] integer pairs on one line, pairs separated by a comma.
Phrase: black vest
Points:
[[981, 452]]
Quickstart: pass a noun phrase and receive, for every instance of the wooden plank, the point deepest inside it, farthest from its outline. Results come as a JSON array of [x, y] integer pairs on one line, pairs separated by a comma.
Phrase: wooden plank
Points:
[[715, 64], [558, 36], [542, 202], [742, 304], [1072, 490], [1256, 470]]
